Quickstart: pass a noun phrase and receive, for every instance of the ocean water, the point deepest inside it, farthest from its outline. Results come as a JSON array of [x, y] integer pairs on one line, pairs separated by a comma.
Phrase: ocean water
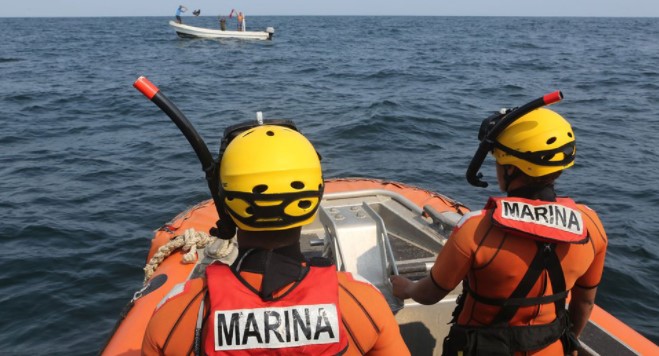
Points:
[[89, 167]]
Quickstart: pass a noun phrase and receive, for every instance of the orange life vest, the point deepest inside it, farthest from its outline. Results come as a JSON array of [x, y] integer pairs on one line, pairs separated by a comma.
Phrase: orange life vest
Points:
[[306, 320], [559, 221]]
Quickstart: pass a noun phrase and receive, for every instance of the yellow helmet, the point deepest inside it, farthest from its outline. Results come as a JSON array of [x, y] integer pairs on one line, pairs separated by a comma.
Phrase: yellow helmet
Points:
[[271, 179], [539, 143]]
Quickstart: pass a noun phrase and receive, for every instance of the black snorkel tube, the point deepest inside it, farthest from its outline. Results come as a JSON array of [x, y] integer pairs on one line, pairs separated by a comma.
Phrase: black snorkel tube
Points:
[[494, 125], [226, 227]]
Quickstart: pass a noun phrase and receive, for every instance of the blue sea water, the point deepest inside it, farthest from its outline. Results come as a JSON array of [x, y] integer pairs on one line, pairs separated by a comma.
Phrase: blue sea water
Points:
[[89, 167]]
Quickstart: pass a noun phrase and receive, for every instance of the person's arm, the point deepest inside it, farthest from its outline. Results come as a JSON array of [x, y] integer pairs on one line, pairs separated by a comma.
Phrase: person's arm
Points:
[[451, 266], [149, 345], [390, 341], [423, 291], [584, 291], [374, 330], [175, 320], [581, 305]]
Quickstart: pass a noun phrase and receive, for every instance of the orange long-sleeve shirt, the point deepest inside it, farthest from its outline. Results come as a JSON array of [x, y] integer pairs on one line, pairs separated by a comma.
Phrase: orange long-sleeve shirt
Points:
[[371, 326], [495, 262]]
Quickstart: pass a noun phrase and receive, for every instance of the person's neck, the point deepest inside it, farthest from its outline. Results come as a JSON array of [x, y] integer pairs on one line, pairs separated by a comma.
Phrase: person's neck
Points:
[[268, 240], [544, 192], [255, 259], [280, 267]]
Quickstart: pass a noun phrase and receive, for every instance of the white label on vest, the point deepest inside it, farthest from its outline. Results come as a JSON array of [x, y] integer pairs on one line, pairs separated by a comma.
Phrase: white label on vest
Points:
[[552, 215], [272, 328]]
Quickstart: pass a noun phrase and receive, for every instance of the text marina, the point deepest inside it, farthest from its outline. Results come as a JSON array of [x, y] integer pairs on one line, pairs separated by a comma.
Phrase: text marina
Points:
[[276, 327]]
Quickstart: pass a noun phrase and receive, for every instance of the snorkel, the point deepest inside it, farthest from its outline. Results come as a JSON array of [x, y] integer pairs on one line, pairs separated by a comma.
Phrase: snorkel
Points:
[[494, 125], [226, 228]]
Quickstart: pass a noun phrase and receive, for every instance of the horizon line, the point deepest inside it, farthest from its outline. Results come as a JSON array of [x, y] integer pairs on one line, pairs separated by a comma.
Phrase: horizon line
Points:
[[334, 15]]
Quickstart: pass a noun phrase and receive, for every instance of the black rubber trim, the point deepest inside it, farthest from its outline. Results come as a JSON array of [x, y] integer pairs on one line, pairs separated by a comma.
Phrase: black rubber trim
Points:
[[602, 342]]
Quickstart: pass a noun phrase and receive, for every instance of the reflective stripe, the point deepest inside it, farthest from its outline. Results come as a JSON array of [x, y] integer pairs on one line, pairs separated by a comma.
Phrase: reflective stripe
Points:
[[176, 290], [468, 216]]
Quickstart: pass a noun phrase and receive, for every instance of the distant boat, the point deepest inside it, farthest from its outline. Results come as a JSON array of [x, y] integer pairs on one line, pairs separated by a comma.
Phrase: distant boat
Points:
[[187, 31]]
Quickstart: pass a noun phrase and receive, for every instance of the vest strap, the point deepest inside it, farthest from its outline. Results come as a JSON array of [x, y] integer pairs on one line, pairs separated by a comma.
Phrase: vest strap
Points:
[[544, 259], [487, 340], [519, 302]]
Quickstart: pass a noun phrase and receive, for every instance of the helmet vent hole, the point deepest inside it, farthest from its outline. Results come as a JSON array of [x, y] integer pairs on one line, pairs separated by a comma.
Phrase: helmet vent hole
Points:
[[551, 140], [569, 134], [270, 133], [249, 210], [304, 204], [259, 189], [297, 185]]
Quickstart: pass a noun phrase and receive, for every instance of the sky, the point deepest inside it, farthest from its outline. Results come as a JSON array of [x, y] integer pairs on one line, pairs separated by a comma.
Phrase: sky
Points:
[[78, 8]]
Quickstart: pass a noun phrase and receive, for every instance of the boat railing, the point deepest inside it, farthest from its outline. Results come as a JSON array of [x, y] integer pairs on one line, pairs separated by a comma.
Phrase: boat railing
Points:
[[377, 233]]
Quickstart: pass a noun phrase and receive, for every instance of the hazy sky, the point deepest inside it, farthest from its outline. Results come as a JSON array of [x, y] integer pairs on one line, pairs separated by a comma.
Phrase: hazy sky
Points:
[[59, 8]]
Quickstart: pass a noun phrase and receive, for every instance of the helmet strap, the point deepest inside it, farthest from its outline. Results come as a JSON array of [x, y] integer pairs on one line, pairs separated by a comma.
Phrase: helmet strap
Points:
[[225, 227], [275, 215]]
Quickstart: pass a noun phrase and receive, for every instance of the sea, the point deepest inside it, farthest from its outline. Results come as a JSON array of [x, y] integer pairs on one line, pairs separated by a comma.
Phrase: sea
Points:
[[89, 168]]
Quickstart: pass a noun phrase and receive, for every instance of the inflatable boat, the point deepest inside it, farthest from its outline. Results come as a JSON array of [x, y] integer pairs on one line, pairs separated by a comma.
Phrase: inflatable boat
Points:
[[187, 31], [369, 227]]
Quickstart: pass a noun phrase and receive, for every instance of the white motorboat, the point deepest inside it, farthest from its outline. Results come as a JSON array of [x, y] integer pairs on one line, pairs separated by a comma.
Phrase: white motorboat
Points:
[[187, 31]]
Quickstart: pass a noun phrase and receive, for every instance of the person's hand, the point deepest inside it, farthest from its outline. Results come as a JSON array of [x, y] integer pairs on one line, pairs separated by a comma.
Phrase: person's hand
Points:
[[401, 286]]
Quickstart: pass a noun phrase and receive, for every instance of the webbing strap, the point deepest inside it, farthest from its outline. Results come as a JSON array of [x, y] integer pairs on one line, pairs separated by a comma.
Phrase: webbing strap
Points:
[[557, 279], [520, 302], [197, 343], [544, 259]]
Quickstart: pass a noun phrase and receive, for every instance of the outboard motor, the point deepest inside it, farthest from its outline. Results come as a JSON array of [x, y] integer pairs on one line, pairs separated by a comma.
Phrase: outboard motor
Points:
[[270, 31]]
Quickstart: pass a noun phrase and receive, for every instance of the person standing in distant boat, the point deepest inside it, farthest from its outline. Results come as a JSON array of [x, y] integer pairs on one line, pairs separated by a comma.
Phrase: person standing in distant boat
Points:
[[519, 257], [241, 21], [181, 9], [223, 23]]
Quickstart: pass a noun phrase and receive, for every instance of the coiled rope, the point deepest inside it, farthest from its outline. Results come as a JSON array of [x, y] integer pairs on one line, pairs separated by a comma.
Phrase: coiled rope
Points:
[[189, 241]]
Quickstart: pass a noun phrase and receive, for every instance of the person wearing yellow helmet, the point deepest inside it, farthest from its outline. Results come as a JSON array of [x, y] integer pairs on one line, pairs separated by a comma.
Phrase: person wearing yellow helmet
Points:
[[539, 146], [521, 255], [272, 299], [271, 179]]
